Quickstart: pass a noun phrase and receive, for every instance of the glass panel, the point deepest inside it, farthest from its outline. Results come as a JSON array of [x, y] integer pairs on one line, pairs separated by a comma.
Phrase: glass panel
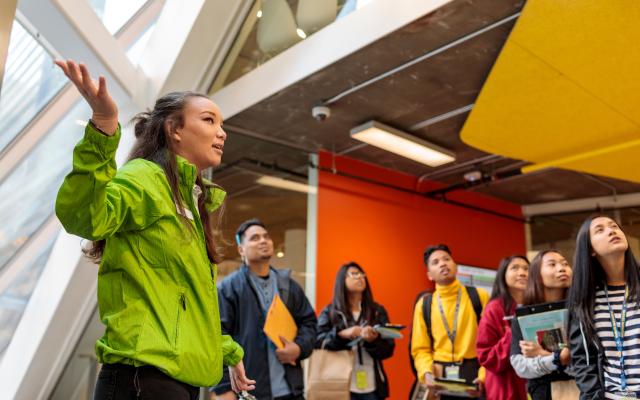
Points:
[[115, 13], [30, 81], [559, 232], [78, 378], [34, 183], [286, 225], [135, 51], [15, 298], [272, 26]]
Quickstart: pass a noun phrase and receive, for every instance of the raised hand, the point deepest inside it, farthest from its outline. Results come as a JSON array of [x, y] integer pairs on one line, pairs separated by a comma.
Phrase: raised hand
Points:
[[105, 110]]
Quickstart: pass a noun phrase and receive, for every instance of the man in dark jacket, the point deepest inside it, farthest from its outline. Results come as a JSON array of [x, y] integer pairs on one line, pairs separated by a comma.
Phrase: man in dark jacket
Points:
[[245, 297]]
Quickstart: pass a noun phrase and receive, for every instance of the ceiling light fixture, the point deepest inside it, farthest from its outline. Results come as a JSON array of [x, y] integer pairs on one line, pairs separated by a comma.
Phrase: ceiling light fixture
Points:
[[402, 143], [285, 184], [301, 33], [259, 13]]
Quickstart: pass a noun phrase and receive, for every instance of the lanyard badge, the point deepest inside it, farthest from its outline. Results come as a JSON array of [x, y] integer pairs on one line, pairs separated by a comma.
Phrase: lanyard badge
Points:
[[618, 336], [451, 334]]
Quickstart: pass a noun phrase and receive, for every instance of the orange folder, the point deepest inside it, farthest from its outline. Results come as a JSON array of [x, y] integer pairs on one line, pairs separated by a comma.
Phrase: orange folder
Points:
[[279, 322]]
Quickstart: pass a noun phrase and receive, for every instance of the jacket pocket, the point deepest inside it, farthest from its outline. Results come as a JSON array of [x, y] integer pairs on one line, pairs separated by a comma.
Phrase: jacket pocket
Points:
[[151, 245]]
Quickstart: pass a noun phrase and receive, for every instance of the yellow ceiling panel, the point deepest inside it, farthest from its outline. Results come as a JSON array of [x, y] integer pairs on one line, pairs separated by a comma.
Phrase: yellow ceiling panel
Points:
[[621, 161], [594, 43], [527, 106], [564, 87]]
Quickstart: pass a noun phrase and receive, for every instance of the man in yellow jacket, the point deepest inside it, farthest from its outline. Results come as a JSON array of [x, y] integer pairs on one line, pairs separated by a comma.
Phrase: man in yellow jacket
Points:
[[445, 346]]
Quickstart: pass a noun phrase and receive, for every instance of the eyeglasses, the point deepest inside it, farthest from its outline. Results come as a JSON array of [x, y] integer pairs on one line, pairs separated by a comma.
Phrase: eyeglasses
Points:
[[356, 274]]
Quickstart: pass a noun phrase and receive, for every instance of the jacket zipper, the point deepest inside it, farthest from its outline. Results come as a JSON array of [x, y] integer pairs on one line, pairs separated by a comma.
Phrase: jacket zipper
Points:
[[183, 304]]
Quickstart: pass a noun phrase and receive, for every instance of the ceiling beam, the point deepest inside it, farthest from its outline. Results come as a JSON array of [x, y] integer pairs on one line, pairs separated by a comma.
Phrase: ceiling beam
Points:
[[582, 205]]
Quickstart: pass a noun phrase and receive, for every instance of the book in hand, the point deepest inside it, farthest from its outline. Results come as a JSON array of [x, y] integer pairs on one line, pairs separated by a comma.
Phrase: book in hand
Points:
[[389, 331], [544, 323], [386, 331], [456, 387]]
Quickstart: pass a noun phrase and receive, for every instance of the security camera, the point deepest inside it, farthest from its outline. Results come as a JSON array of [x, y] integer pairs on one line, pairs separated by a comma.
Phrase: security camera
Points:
[[321, 113]]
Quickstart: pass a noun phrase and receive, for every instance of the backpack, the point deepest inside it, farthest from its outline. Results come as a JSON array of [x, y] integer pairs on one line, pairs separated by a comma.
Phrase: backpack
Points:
[[426, 315]]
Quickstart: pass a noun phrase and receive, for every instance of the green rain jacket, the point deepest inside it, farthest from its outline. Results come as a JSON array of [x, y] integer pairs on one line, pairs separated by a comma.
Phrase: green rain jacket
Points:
[[156, 286]]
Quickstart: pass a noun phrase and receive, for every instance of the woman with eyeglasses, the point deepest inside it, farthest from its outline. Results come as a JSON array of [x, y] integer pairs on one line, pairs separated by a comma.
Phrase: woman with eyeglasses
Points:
[[353, 315]]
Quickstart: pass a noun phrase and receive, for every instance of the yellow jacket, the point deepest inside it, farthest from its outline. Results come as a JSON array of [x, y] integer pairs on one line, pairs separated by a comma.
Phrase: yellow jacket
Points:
[[424, 352]]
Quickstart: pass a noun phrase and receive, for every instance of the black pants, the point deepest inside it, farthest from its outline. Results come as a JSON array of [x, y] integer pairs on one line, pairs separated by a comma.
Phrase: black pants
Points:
[[125, 382], [290, 397], [364, 396]]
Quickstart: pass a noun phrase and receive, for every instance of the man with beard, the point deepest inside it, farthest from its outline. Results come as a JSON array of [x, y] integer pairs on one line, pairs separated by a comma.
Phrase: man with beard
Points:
[[245, 297], [445, 323]]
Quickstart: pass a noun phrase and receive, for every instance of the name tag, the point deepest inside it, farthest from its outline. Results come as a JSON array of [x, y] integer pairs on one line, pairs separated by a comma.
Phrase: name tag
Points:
[[452, 372], [361, 379]]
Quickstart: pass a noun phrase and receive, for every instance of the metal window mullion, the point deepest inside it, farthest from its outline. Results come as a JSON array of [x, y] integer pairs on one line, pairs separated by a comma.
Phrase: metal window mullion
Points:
[[28, 251]]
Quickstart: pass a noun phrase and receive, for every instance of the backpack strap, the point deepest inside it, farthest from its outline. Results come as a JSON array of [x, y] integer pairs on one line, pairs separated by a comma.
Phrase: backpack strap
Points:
[[427, 300], [475, 301], [413, 368]]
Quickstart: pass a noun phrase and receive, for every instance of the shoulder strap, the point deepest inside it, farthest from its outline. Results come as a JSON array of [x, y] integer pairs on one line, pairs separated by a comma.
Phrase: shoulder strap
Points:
[[426, 314], [418, 297], [475, 301], [284, 284]]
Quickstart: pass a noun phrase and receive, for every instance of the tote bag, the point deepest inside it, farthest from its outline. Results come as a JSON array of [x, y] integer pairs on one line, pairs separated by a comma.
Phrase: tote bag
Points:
[[565, 390], [329, 376]]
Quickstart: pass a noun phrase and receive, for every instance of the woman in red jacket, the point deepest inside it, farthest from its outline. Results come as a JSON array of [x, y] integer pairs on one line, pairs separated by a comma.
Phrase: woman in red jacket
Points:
[[494, 332]]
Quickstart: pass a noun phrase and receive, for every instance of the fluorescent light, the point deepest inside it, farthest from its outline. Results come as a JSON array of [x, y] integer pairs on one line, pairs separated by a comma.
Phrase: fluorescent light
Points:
[[285, 184], [259, 13], [301, 33], [401, 143]]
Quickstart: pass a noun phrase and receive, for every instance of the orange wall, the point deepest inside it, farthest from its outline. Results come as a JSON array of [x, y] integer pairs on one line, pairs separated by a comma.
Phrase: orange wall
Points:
[[386, 231]]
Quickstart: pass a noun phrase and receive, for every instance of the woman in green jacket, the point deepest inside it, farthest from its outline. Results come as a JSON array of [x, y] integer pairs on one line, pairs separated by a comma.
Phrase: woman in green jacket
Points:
[[151, 230]]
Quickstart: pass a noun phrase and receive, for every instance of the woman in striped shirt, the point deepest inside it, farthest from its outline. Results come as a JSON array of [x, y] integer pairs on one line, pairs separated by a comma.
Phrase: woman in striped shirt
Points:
[[605, 326]]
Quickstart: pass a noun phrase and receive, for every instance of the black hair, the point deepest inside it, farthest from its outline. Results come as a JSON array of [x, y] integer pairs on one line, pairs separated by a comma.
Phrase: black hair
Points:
[[433, 248], [500, 288], [245, 226], [589, 276], [341, 297]]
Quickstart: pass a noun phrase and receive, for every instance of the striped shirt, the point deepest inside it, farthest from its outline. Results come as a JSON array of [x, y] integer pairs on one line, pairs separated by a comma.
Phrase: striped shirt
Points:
[[631, 344]]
